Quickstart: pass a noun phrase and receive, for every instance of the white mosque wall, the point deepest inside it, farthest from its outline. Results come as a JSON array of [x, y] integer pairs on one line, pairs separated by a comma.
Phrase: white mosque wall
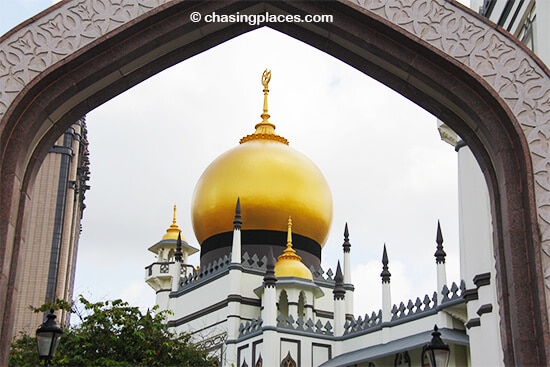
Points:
[[477, 261], [306, 351], [201, 308], [477, 258], [475, 230]]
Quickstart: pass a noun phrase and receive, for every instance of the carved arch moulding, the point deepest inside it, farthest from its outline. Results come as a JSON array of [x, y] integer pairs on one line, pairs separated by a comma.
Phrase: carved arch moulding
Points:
[[496, 62]]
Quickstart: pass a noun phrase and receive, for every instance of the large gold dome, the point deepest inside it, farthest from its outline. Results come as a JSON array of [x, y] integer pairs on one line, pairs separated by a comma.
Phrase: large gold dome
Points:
[[272, 181]]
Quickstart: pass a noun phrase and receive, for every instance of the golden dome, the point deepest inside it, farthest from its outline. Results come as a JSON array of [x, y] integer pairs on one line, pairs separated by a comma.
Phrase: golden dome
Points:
[[272, 181], [289, 264], [173, 231]]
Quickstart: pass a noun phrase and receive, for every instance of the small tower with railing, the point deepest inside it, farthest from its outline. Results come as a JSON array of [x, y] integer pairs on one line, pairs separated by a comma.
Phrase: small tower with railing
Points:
[[160, 274]]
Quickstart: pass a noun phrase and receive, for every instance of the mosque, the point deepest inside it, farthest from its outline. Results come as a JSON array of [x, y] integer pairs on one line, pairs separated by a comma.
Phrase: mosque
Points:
[[261, 213]]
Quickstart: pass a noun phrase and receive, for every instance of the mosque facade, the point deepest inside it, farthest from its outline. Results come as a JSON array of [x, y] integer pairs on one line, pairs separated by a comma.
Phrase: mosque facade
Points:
[[261, 213], [251, 313]]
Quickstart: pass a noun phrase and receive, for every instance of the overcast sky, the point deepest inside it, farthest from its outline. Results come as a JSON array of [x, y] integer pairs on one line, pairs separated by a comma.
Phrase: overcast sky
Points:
[[391, 176]]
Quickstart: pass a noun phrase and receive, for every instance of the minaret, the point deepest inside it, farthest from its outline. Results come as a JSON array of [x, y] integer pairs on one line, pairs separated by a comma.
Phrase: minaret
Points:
[[347, 247], [233, 298], [386, 291], [348, 286], [440, 260], [164, 274], [339, 319], [270, 355], [237, 223], [339, 302], [269, 312]]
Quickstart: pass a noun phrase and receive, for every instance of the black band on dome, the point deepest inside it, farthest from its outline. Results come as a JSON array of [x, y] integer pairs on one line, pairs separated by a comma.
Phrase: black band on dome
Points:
[[258, 242]]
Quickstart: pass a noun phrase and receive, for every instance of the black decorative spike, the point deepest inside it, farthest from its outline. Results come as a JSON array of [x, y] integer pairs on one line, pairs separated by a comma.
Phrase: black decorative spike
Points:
[[269, 278], [439, 253], [238, 222], [339, 291], [178, 254], [385, 274], [346, 245]]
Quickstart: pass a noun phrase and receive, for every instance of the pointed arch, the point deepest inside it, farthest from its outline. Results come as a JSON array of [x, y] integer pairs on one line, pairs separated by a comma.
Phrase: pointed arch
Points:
[[403, 359], [433, 52], [288, 361], [283, 304], [259, 362]]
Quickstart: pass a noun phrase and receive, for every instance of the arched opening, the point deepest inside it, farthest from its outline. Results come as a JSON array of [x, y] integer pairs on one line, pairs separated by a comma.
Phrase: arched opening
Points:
[[364, 39], [283, 305], [374, 156], [288, 361], [301, 305]]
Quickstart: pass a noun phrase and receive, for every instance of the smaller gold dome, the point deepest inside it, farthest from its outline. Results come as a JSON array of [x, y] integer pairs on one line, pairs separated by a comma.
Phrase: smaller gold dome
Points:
[[289, 263], [173, 231]]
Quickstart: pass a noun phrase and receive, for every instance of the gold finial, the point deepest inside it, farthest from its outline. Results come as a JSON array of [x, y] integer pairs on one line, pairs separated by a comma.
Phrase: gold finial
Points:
[[173, 231], [265, 130], [266, 77], [289, 252], [289, 232], [289, 263]]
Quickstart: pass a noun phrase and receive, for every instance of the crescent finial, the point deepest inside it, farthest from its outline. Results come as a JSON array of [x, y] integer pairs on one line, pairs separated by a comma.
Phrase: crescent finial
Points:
[[266, 77]]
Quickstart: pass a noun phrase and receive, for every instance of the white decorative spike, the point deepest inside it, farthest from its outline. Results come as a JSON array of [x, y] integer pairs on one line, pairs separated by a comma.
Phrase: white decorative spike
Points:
[[236, 246]]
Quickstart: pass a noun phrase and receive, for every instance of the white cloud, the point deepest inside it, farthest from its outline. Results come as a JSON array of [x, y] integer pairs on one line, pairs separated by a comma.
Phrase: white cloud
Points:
[[138, 293]]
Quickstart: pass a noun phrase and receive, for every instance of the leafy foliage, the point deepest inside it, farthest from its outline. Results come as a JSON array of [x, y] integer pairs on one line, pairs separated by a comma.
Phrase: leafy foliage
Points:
[[113, 333], [24, 352]]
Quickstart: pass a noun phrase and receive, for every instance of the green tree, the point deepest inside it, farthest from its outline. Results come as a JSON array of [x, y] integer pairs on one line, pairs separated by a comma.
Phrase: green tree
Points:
[[113, 333]]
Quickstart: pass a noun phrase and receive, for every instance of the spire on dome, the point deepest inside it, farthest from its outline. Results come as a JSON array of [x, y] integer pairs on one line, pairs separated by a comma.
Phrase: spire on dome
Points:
[[174, 230], [289, 263], [289, 252], [439, 253], [385, 274], [265, 129]]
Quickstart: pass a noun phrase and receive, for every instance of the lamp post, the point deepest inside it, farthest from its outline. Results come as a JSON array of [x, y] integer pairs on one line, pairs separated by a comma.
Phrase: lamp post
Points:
[[47, 338], [436, 351]]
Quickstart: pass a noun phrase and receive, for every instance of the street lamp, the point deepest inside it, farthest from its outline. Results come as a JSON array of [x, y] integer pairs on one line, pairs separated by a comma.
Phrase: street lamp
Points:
[[436, 351], [47, 338]]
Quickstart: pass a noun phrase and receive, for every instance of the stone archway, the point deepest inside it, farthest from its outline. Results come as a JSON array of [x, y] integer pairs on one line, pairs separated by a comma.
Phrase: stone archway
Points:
[[484, 84]]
